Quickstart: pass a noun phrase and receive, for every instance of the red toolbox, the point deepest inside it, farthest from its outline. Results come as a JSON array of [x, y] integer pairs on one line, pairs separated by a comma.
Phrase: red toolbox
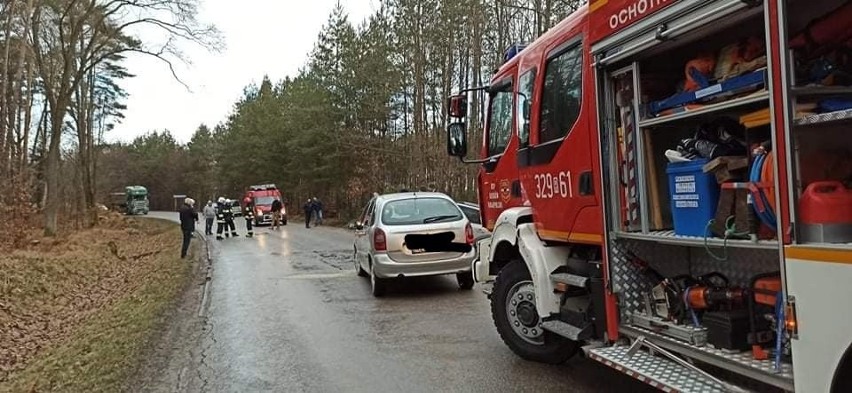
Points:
[[825, 211]]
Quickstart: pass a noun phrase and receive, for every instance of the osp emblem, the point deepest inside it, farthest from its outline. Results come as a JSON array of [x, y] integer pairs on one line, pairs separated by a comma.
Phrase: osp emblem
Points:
[[505, 190]]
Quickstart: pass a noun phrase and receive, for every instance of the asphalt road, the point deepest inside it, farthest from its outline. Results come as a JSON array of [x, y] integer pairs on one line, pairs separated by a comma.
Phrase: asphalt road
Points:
[[286, 312]]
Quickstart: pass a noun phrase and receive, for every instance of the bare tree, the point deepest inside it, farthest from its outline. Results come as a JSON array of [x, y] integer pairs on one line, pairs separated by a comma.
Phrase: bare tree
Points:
[[72, 37]]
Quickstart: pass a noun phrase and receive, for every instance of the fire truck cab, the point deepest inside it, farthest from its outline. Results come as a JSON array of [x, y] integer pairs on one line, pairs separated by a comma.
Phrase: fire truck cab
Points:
[[684, 174]]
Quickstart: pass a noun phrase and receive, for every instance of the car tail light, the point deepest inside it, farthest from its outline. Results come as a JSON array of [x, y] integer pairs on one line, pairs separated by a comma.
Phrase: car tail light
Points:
[[468, 234], [380, 241]]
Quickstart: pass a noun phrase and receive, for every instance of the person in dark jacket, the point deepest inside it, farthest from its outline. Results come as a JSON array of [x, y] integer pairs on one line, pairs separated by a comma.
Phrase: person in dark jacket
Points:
[[276, 214], [188, 218], [309, 210], [317, 211]]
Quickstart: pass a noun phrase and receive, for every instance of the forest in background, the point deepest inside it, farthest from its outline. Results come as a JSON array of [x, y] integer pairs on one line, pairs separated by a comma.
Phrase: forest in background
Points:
[[365, 114]]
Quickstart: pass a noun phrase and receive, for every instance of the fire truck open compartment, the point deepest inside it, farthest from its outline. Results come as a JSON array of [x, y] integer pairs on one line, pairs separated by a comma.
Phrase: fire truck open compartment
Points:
[[669, 104], [645, 312], [821, 119], [662, 278], [651, 103]]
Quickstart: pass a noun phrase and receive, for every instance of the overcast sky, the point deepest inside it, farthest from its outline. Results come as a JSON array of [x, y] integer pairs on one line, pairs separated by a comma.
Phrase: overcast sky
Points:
[[263, 37]]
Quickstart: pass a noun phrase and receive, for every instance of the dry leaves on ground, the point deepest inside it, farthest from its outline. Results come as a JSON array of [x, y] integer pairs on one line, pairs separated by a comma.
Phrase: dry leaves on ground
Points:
[[51, 289]]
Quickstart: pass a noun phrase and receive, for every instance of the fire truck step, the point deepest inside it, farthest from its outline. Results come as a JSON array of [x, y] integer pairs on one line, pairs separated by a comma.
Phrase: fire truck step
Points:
[[659, 372], [570, 279], [567, 330]]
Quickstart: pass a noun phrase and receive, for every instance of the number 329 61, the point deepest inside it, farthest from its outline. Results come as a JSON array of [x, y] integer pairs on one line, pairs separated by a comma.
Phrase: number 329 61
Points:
[[553, 185]]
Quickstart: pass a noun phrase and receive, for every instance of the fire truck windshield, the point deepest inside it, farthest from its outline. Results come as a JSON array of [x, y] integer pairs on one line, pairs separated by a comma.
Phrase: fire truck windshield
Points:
[[264, 200]]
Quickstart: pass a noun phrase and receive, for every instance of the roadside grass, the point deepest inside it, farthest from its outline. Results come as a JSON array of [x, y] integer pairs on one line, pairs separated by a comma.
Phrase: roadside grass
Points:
[[77, 315]]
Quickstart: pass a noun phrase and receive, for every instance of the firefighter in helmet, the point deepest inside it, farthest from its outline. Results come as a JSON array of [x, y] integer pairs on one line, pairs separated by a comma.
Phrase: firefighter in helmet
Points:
[[225, 219], [248, 214]]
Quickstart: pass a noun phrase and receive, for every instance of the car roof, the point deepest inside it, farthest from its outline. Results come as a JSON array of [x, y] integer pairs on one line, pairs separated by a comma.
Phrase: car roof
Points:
[[412, 195]]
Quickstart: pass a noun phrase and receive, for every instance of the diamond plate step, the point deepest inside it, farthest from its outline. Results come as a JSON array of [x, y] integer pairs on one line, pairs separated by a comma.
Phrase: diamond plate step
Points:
[[568, 331], [570, 279], [658, 372]]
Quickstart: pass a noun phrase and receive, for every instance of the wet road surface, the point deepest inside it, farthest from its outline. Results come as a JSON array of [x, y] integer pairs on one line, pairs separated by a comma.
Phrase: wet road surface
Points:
[[287, 312]]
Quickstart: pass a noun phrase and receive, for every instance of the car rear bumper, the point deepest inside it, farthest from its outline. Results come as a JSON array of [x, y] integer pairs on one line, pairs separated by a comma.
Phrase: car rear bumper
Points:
[[385, 267]]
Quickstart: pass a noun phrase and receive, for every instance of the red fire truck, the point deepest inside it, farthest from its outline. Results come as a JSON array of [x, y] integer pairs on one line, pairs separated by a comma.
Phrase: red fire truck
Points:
[[682, 170], [262, 195]]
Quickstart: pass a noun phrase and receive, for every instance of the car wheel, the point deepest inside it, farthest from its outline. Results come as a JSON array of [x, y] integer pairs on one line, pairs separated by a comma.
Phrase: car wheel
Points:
[[284, 222], [514, 313], [465, 280], [378, 285], [358, 269]]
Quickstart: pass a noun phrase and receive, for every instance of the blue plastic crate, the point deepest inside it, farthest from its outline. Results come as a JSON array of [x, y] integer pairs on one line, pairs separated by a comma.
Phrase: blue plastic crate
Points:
[[694, 197]]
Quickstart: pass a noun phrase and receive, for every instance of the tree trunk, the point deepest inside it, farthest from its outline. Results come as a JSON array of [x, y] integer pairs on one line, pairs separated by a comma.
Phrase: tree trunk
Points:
[[52, 175]]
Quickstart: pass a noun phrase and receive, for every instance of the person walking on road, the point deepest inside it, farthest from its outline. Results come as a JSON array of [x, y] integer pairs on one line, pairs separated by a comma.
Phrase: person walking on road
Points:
[[209, 217], [318, 211], [276, 214], [188, 218], [309, 210]]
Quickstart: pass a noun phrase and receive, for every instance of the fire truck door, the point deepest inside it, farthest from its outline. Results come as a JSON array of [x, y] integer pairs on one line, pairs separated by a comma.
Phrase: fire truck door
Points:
[[499, 175], [560, 152]]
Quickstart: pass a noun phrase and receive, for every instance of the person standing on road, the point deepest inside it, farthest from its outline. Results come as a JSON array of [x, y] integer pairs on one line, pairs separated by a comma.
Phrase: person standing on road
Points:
[[224, 219], [309, 210], [248, 214], [318, 211], [276, 214], [188, 218], [209, 217]]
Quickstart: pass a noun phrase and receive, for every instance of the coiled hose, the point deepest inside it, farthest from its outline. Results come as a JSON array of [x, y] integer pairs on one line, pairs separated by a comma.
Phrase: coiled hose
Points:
[[767, 216]]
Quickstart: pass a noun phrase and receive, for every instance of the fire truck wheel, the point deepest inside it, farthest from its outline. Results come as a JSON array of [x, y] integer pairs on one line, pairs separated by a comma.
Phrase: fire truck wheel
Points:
[[465, 280], [515, 316]]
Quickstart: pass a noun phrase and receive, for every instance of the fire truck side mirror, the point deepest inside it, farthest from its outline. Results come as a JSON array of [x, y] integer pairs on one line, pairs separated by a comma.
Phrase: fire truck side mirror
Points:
[[457, 140], [458, 106]]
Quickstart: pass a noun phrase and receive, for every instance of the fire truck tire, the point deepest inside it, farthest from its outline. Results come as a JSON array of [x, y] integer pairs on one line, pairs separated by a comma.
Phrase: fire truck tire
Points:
[[465, 280], [539, 346], [843, 376]]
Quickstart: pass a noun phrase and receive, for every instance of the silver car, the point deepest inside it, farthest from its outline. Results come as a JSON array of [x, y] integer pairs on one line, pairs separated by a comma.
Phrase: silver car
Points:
[[413, 234], [471, 210]]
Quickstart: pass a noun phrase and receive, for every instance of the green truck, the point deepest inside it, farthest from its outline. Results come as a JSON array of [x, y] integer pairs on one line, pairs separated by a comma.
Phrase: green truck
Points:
[[133, 201]]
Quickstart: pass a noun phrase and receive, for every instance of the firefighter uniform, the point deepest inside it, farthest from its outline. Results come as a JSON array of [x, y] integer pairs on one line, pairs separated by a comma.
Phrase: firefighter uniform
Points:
[[225, 219], [248, 214]]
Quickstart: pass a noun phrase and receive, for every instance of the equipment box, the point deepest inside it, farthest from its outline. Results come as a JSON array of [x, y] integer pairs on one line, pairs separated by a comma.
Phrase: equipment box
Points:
[[694, 196], [727, 329]]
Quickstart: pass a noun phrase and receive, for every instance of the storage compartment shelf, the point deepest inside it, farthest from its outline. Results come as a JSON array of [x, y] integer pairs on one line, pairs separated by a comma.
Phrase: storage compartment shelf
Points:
[[708, 109], [669, 237], [736, 361], [825, 117]]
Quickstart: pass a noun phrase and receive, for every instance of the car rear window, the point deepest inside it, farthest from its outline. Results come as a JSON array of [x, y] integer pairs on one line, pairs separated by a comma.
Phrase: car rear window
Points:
[[420, 211]]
